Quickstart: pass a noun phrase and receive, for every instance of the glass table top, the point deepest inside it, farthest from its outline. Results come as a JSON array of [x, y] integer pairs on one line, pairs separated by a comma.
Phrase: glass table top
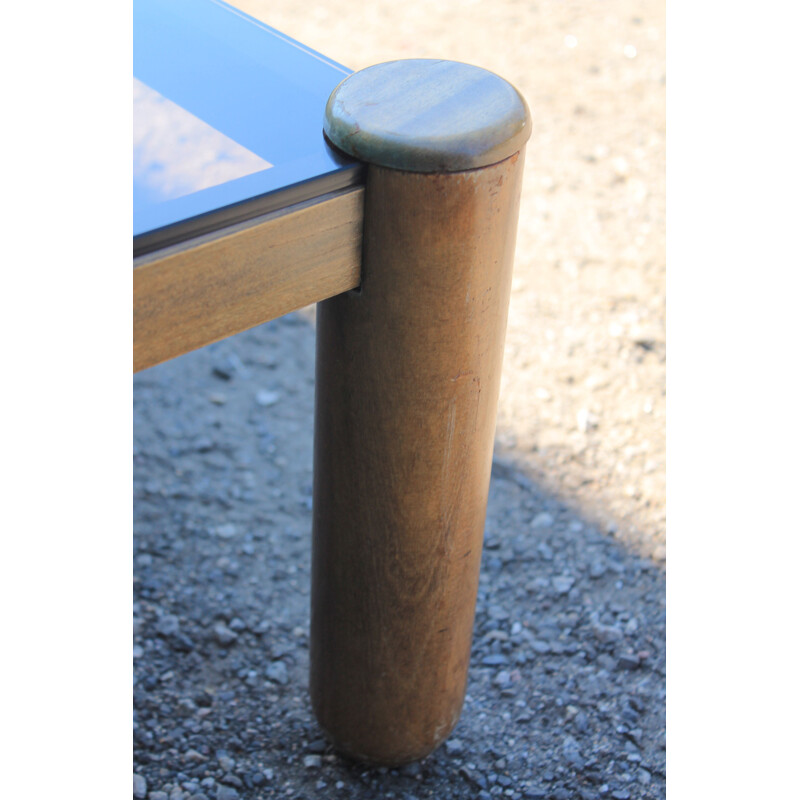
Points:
[[227, 121]]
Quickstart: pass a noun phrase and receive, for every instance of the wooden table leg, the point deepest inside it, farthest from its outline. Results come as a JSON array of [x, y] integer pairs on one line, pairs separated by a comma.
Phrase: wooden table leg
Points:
[[408, 376]]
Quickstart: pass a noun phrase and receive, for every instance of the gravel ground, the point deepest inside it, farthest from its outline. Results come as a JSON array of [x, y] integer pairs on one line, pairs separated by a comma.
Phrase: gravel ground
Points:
[[566, 697]]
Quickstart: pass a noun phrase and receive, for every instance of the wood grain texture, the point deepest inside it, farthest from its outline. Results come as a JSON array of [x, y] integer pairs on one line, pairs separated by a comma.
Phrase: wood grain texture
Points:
[[427, 115], [408, 376], [191, 295]]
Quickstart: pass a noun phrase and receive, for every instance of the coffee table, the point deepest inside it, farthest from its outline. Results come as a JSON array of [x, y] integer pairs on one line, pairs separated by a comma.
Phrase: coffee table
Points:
[[268, 177]]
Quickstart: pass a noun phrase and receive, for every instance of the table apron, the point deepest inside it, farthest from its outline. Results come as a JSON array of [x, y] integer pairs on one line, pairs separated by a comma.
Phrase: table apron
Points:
[[207, 289]]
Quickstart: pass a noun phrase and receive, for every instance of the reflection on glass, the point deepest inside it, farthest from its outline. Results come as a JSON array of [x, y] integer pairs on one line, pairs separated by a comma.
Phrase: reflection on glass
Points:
[[228, 120], [175, 153]]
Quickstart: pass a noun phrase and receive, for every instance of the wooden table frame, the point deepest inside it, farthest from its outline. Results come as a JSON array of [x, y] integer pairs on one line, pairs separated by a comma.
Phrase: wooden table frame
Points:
[[206, 289], [412, 271]]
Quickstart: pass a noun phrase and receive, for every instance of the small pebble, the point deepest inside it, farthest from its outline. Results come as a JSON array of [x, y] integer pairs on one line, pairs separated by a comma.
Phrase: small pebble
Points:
[[628, 661], [606, 634], [543, 520], [224, 635], [139, 786], [621, 167], [502, 678], [597, 569], [563, 583], [277, 672], [454, 747], [587, 421], [312, 762], [572, 752], [227, 763], [168, 625], [266, 398], [226, 531], [545, 551]]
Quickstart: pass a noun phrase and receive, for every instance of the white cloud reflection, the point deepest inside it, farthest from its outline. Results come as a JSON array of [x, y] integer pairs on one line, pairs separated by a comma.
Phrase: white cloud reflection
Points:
[[175, 153]]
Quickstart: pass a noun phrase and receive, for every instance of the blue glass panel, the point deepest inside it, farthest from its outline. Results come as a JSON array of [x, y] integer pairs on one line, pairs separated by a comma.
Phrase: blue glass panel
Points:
[[227, 120]]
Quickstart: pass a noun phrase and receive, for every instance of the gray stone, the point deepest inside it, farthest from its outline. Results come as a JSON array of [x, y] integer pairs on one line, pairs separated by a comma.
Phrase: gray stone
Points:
[[545, 551], [628, 661], [226, 763], [606, 634], [278, 673], [168, 625], [312, 762], [631, 626], [186, 707], [606, 661], [597, 569], [227, 793], [226, 531], [454, 747], [503, 678], [265, 398], [158, 796], [587, 421], [494, 660], [572, 752], [581, 722], [139, 786], [224, 635], [543, 520], [563, 583]]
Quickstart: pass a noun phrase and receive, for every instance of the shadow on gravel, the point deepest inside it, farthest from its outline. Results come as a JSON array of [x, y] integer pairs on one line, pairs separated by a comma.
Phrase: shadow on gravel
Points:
[[567, 679]]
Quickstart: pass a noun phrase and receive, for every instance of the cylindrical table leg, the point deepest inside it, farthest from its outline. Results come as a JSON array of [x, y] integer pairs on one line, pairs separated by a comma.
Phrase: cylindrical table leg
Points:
[[408, 375]]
